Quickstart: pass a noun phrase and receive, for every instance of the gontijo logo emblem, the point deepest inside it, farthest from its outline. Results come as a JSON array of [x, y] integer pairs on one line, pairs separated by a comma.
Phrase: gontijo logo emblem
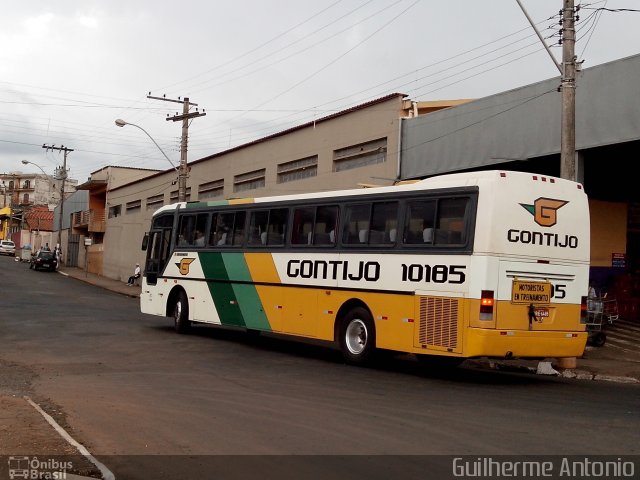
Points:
[[183, 265], [545, 210]]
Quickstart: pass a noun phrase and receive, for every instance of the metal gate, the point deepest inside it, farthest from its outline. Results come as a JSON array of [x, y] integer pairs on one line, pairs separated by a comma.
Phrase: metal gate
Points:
[[73, 247]]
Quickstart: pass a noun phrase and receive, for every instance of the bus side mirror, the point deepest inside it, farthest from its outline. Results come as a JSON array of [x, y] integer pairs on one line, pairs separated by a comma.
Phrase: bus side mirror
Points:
[[145, 242]]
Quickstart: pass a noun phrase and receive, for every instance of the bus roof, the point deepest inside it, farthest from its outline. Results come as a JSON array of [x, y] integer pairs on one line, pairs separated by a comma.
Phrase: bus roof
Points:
[[448, 180]]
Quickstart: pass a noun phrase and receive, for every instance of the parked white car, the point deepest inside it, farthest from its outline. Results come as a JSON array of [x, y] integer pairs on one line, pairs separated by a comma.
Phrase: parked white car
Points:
[[7, 247]]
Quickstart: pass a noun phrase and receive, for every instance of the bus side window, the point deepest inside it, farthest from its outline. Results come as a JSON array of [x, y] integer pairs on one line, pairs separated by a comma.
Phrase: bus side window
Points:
[[451, 221], [327, 219], [213, 234], [192, 230], [258, 227], [186, 230], [384, 219], [302, 231], [277, 229], [356, 226], [221, 225], [314, 226], [419, 222], [238, 228]]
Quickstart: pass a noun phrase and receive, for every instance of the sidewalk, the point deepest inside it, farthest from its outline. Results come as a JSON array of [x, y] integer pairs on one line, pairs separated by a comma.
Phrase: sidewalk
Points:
[[100, 281]]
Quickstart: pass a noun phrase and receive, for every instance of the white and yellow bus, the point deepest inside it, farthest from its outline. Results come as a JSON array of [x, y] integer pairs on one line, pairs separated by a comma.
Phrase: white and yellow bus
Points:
[[484, 264]]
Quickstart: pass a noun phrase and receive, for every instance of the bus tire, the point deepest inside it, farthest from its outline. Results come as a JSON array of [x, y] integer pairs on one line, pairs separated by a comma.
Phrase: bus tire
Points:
[[181, 322], [357, 336]]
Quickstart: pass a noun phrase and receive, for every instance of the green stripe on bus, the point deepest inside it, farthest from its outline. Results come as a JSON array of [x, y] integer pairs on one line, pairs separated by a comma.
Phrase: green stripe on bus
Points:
[[222, 291], [214, 203], [237, 304], [246, 293]]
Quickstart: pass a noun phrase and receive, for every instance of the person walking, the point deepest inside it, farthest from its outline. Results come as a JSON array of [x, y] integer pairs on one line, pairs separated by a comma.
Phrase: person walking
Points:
[[136, 274], [58, 254]]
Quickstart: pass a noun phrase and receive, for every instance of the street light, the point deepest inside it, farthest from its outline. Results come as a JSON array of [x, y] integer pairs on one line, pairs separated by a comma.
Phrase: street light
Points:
[[122, 123], [182, 190], [26, 162]]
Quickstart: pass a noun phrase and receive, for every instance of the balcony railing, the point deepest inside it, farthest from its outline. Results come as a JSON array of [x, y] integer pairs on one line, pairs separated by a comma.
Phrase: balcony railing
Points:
[[92, 220]]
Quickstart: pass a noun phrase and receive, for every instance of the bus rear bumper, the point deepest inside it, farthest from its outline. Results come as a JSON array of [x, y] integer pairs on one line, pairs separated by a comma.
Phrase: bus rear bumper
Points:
[[481, 342]]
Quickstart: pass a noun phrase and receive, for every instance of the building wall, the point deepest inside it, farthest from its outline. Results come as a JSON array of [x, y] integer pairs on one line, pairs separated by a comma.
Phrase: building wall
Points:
[[380, 120], [525, 123], [76, 202], [42, 190], [608, 231]]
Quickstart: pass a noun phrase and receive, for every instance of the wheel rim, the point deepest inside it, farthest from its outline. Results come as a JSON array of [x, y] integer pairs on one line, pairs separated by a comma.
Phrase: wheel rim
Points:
[[356, 336], [177, 314]]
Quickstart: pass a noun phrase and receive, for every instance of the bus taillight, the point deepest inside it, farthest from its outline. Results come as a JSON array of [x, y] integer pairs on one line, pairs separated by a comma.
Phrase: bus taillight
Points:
[[486, 305]]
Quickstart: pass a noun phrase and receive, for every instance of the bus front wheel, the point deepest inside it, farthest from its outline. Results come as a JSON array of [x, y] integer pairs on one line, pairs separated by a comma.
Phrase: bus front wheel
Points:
[[357, 336], [181, 321]]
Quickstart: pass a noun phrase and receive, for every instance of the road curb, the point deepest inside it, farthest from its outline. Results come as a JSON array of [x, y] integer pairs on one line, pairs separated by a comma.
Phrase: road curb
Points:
[[104, 287], [617, 379], [577, 374], [104, 471]]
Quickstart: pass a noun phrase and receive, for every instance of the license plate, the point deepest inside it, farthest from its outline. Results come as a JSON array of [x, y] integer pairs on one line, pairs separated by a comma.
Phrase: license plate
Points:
[[541, 312], [45, 264], [531, 292]]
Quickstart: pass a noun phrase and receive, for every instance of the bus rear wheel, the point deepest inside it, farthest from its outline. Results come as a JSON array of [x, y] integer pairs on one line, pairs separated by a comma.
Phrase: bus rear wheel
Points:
[[181, 322], [357, 336]]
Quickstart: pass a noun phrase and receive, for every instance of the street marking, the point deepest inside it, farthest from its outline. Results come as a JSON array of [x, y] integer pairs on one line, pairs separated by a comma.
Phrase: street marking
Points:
[[106, 473]]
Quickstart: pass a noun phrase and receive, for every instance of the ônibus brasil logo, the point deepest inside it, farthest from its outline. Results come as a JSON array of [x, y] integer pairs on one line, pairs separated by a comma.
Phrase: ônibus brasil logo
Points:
[[545, 210]]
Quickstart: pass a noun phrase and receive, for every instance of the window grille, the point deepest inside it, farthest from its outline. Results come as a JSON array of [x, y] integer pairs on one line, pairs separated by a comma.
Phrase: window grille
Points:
[[298, 169], [155, 202], [134, 206], [360, 155], [249, 180], [211, 189]]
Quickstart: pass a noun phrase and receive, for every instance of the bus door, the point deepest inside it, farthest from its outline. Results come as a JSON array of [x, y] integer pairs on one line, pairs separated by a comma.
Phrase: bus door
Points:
[[158, 252]]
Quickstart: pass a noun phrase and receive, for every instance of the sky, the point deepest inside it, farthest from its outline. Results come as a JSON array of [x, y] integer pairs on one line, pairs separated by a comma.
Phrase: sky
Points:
[[69, 69]]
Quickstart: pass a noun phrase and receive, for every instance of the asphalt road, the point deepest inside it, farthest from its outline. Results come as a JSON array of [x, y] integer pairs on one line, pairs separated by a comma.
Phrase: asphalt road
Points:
[[127, 386]]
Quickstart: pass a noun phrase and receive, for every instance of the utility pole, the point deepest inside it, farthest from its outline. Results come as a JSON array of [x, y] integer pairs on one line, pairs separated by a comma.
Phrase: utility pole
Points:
[[568, 89], [61, 174], [183, 170]]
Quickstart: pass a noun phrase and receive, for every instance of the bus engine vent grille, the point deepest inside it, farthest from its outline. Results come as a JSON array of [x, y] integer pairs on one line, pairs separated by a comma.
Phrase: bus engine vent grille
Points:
[[439, 322]]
